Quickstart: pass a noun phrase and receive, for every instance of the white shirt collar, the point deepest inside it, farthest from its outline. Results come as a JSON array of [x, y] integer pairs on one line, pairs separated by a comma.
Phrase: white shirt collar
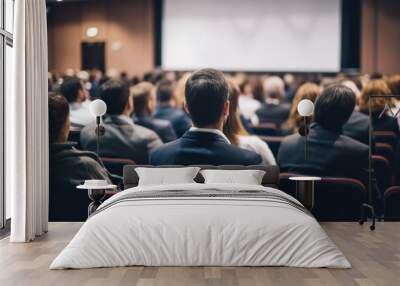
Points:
[[209, 130]]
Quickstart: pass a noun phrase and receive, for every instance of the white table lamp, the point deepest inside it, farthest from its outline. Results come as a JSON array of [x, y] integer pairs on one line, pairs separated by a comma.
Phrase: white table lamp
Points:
[[98, 108], [306, 109]]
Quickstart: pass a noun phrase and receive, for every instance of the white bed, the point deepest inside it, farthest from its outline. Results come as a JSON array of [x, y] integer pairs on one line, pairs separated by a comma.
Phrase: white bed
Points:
[[222, 225]]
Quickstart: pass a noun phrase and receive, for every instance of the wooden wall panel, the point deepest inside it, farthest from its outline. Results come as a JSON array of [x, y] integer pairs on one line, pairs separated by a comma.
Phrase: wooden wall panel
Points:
[[380, 36], [125, 26]]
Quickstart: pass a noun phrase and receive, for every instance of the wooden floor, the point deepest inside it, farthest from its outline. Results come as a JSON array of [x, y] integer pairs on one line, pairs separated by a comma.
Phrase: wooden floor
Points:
[[375, 257]]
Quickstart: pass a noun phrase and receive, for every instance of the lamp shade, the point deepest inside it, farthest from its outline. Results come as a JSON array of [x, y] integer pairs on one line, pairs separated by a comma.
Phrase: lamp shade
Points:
[[98, 108], [305, 107]]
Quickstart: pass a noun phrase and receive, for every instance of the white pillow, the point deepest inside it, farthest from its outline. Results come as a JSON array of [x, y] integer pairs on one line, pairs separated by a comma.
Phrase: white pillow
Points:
[[166, 176], [248, 177]]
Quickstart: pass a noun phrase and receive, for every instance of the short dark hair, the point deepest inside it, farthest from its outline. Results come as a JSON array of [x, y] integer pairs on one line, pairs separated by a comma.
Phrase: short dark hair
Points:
[[334, 107], [206, 92], [58, 114], [70, 88], [141, 95], [115, 94], [165, 90]]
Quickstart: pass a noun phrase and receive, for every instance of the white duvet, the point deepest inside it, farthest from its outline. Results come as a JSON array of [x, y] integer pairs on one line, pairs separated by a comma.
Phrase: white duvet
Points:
[[202, 231]]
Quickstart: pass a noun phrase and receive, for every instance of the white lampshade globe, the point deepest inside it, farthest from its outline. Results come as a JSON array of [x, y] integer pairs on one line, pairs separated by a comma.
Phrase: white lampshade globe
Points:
[[305, 107], [98, 108]]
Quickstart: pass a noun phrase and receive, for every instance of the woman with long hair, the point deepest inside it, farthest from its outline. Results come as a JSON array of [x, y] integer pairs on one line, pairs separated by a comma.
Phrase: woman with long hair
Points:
[[380, 107], [237, 135], [306, 91]]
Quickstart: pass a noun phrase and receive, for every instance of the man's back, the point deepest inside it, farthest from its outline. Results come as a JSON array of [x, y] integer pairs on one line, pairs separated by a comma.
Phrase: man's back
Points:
[[329, 154], [197, 147], [122, 139], [180, 120], [162, 127], [357, 127], [69, 168]]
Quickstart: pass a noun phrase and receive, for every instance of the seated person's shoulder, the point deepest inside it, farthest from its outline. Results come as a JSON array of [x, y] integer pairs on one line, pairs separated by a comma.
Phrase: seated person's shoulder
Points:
[[144, 132], [76, 163], [78, 158], [352, 144], [88, 130], [243, 156], [162, 123], [291, 139], [167, 147]]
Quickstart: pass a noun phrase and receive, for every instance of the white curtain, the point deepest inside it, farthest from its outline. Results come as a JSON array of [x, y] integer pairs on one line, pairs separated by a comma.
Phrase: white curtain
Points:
[[27, 124]]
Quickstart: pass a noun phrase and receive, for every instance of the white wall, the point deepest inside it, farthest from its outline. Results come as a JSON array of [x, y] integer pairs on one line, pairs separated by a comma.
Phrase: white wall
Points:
[[284, 35]]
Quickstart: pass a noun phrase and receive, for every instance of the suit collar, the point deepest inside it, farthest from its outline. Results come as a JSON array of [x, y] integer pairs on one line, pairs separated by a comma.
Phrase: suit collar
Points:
[[208, 131], [318, 128]]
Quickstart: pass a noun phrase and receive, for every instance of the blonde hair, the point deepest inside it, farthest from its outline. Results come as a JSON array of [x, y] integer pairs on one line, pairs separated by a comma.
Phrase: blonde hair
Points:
[[375, 87], [394, 84], [233, 127], [306, 91], [180, 90]]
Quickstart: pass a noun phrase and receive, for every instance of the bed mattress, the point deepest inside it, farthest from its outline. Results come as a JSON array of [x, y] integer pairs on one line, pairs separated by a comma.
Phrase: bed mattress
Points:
[[201, 225]]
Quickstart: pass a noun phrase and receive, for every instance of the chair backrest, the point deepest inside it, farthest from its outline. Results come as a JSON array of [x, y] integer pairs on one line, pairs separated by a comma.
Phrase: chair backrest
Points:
[[386, 137], [336, 199], [265, 129], [383, 172], [270, 179], [274, 143], [391, 201], [385, 150], [116, 165]]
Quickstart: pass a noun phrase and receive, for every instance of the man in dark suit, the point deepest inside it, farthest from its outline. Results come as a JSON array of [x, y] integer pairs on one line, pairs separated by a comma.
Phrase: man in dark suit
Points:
[[168, 110], [69, 167], [122, 138], [144, 99], [207, 100], [357, 127], [329, 152], [273, 110]]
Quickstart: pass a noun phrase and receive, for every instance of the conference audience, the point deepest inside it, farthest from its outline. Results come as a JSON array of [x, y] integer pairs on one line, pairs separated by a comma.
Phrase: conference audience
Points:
[[309, 91], [273, 109], [73, 90], [330, 153], [168, 108], [69, 167], [207, 99], [122, 138], [237, 134], [381, 108], [144, 100]]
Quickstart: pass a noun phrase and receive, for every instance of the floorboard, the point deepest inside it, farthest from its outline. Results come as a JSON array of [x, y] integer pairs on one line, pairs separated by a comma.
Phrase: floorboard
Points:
[[375, 257]]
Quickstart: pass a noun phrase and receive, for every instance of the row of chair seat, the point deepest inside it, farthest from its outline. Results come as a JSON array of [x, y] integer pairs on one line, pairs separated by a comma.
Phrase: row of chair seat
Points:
[[340, 199]]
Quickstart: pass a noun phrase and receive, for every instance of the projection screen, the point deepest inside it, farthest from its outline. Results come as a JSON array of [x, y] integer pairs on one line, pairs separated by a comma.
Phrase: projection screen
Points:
[[252, 35]]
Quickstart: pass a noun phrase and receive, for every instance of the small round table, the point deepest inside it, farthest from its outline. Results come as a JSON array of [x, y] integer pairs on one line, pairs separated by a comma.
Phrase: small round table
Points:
[[96, 195], [305, 189]]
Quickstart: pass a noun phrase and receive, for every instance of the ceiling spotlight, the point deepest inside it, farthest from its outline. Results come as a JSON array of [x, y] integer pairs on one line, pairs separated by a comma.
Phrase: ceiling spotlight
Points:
[[92, 32]]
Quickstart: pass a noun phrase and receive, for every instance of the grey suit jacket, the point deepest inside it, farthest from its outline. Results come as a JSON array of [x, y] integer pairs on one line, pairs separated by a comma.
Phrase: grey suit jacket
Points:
[[122, 139]]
